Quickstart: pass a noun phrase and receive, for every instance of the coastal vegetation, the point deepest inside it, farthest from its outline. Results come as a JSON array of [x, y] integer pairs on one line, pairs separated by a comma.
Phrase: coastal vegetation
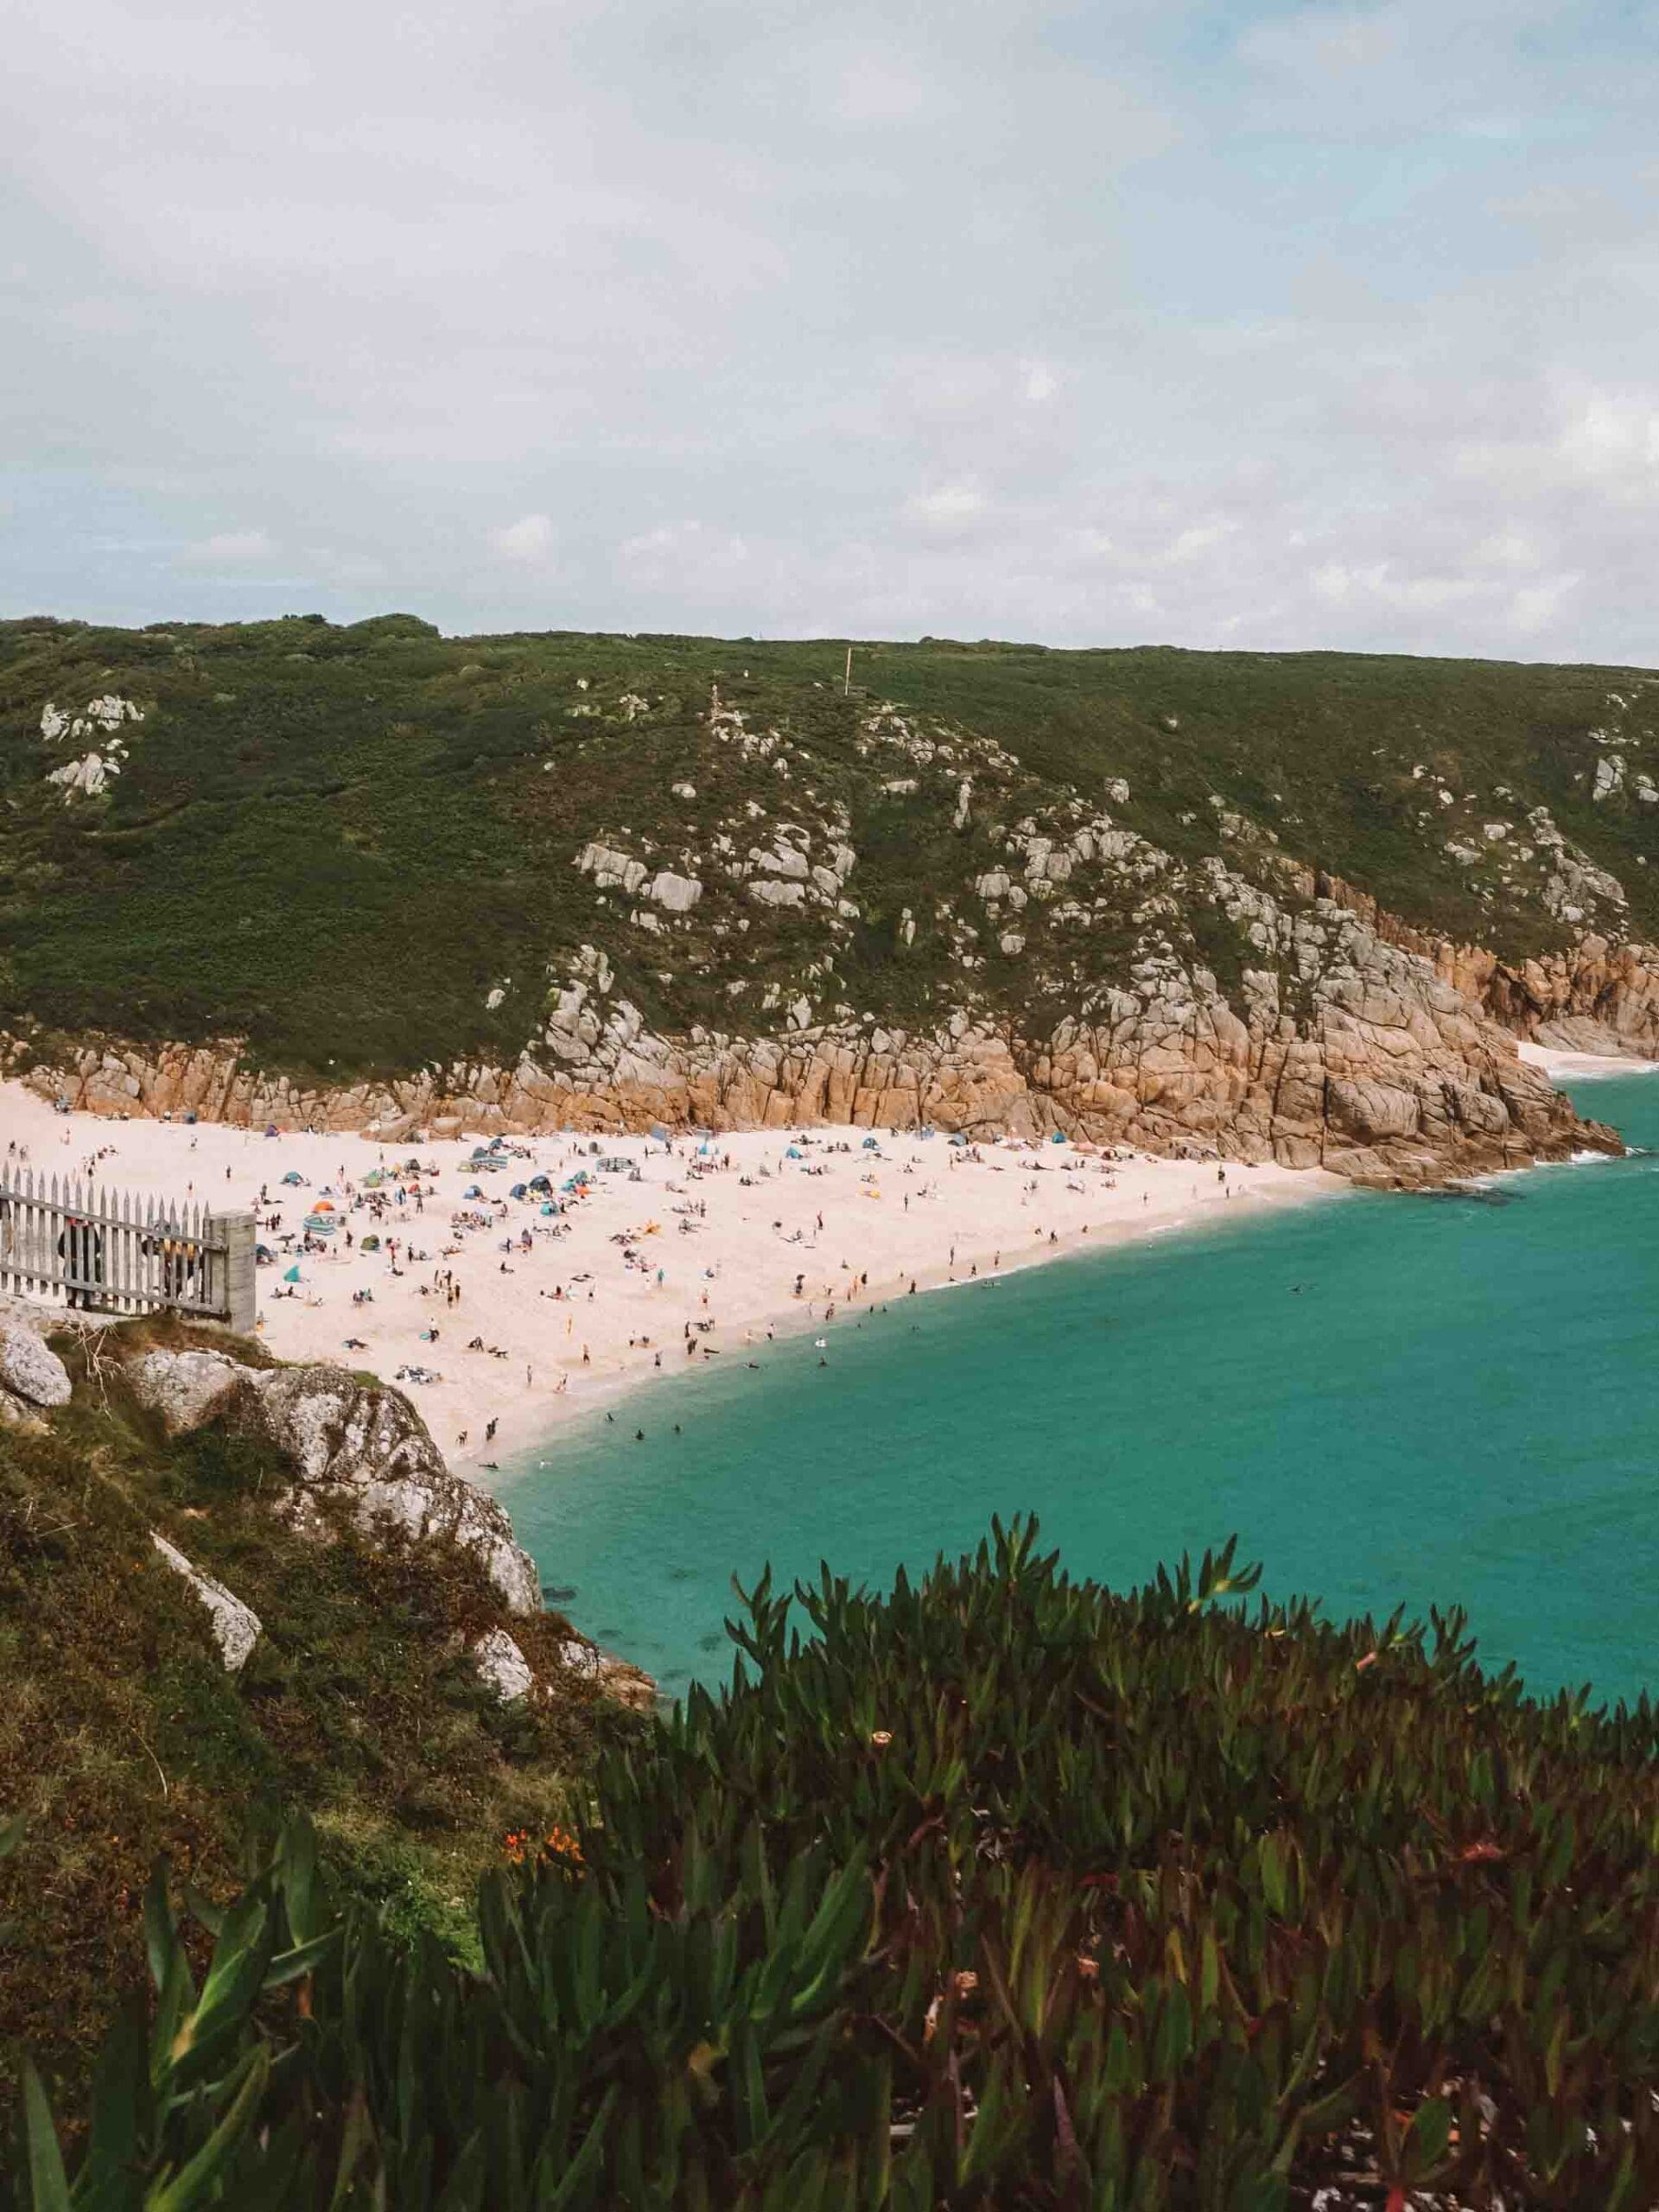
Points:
[[995, 1889], [357, 850], [125, 1738]]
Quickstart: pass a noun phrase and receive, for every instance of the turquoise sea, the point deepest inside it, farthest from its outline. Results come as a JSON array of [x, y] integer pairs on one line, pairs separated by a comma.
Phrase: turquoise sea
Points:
[[1449, 1399]]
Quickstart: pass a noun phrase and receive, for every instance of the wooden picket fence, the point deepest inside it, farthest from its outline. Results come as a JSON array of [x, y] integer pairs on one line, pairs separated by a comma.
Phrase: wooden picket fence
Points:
[[111, 1251]]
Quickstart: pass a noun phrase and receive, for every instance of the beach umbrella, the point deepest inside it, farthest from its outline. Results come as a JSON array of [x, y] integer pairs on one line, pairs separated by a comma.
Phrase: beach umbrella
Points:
[[519, 1191], [958, 1138], [793, 1152], [870, 1144], [659, 1133], [540, 1183], [293, 1176], [472, 1192], [323, 1205], [270, 1129], [370, 1244], [293, 1275]]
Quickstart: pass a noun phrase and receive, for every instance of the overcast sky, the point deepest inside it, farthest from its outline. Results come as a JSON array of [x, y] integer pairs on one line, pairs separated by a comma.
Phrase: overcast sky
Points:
[[1142, 321]]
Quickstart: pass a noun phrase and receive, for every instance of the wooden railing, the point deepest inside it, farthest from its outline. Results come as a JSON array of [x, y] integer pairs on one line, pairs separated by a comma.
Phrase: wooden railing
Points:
[[113, 1252]]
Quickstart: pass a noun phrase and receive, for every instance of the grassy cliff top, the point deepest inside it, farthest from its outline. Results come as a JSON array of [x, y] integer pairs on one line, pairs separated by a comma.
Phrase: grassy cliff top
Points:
[[357, 847]]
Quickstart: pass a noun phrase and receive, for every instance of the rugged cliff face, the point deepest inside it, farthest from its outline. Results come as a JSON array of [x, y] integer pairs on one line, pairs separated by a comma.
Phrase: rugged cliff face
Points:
[[1399, 1079], [1296, 908]]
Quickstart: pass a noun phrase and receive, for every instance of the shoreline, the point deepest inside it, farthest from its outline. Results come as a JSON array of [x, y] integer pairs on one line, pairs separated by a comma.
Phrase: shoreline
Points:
[[1583, 1067], [674, 1246]]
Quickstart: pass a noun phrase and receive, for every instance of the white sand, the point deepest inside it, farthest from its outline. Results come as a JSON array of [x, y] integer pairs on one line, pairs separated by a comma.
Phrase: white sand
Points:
[[897, 1216], [1555, 1065]]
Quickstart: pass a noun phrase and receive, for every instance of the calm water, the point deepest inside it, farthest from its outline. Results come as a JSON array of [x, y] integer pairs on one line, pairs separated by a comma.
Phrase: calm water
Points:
[[1450, 1399]]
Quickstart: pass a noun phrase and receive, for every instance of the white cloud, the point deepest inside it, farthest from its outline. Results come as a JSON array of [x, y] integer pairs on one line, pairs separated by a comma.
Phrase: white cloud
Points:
[[1198, 538], [1323, 43], [948, 507], [691, 557], [869, 89], [232, 548], [1507, 549], [529, 540], [1266, 349], [1538, 605]]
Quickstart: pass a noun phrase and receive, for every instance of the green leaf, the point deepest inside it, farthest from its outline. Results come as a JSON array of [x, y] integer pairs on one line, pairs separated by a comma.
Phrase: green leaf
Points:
[[120, 2096], [191, 2186], [1426, 2139], [289, 1966], [49, 2184], [582, 2168], [161, 1931]]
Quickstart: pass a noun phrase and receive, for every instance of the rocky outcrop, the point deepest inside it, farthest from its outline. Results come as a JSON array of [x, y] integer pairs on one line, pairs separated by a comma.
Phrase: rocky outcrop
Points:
[[345, 1438], [185, 1389], [1353, 1052], [617, 1678], [30, 1371], [236, 1626], [1597, 996], [32, 1376], [502, 1666]]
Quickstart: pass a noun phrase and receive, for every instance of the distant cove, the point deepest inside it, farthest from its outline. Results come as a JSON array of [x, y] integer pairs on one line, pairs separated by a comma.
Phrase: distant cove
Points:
[[1451, 1399]]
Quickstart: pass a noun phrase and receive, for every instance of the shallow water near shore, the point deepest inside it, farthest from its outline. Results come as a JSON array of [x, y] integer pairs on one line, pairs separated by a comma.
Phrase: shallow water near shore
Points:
[[1450, 1399]]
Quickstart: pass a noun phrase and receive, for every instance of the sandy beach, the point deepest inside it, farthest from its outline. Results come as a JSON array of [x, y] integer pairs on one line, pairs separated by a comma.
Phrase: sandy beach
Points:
[[1562, 1066], [665, 1255]]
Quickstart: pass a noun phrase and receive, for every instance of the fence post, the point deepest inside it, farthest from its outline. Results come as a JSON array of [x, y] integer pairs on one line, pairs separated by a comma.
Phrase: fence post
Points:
[[237, 1291]]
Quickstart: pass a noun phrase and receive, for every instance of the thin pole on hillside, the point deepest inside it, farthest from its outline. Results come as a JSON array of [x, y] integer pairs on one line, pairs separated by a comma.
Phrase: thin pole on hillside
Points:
[[847, 680]]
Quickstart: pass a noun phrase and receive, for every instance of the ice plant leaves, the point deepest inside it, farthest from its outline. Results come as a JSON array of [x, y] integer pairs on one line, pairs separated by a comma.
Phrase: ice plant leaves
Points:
[[994, 1890]]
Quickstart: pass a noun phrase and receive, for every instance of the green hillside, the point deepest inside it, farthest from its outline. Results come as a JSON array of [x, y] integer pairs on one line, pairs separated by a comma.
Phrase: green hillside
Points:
[[340, 842]]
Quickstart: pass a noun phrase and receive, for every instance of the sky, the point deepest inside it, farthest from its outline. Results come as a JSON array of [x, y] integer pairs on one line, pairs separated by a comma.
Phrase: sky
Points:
[[1138, 321]]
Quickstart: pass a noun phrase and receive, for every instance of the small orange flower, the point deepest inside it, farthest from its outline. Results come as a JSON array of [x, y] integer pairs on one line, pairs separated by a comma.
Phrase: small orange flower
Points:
[[882, 1738]]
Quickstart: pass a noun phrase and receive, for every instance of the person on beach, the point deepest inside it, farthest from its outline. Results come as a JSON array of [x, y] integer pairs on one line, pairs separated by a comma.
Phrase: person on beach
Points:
[[80, 1246]]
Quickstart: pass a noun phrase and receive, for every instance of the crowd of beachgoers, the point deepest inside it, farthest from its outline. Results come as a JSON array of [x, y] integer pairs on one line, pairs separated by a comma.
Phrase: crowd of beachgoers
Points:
[[511, 1283]]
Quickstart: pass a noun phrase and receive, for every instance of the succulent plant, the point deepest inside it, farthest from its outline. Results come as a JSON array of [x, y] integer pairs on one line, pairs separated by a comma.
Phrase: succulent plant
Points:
[[997, 1889]]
